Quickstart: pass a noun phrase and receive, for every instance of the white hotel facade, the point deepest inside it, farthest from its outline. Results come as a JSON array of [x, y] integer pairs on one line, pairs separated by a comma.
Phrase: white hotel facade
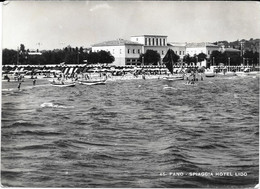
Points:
[[125, 52], [128, 52]]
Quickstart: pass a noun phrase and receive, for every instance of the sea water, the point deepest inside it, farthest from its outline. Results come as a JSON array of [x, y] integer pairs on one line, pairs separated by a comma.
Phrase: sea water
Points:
[[131, 133]]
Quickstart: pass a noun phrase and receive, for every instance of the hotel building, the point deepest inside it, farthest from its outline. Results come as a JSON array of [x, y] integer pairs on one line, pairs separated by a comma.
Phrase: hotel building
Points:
[[125, 52], [197, 48], [128, 52]]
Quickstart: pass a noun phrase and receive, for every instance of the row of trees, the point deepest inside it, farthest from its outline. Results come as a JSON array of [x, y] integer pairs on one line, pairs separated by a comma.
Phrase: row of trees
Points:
[[227, 58], [151, 57], [68, 55], [234, 58]]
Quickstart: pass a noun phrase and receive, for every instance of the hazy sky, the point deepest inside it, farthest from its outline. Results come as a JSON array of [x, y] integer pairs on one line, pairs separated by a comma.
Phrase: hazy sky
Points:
[[56, 24]]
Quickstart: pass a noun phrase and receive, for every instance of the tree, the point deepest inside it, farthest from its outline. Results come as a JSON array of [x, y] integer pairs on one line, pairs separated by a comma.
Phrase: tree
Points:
[[251, 57], [81, 50], [36, 60], [233, 58], [22, 58], [22, 48], [9, 56], [54, 56], [150, 57], [218, 57], [93, 58], [202, 57], [187, 59], [105, 57], [256, 58], [194, 58], [71, 57]]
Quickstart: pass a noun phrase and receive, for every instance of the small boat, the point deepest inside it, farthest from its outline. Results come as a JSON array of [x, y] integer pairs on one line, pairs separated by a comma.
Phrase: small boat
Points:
[[209, 73], [247, 73], [253, 73], [174, 78], [62, 84], [227, 74], [92, 82]]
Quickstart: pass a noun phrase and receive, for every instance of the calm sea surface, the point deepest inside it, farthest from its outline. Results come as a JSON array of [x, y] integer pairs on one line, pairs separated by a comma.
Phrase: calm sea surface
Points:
[[132, 133]]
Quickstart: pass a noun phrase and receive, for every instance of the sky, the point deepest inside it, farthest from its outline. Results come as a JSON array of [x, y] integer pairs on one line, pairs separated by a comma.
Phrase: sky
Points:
[[57, 24]]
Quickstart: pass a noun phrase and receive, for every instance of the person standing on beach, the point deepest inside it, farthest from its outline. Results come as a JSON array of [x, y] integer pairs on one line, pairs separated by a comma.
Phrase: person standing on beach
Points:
[[34, 81]]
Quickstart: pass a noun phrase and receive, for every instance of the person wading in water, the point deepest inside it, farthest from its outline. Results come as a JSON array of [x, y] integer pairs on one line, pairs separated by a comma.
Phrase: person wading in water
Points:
[[19, 86]]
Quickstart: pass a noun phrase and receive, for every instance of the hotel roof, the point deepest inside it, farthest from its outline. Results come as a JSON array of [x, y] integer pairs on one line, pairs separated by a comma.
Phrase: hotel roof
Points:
[[118, 42], [176, 44], [149, 36], [232, 50], [192, 45]]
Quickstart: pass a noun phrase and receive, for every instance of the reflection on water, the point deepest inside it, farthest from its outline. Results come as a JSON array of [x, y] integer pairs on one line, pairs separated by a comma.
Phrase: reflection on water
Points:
[[131, 134]]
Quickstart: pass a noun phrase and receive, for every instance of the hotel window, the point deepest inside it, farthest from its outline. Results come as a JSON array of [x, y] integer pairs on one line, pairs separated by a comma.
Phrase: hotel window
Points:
[[153, 42], [160, 42], [120, 51], [138, 51], [149, 41], [180, 53], [133, 51], [162, 53], [183, 52], [145, 41], [208, 52], [163, 42], [128, 51], [157, 42], [113, 51]]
